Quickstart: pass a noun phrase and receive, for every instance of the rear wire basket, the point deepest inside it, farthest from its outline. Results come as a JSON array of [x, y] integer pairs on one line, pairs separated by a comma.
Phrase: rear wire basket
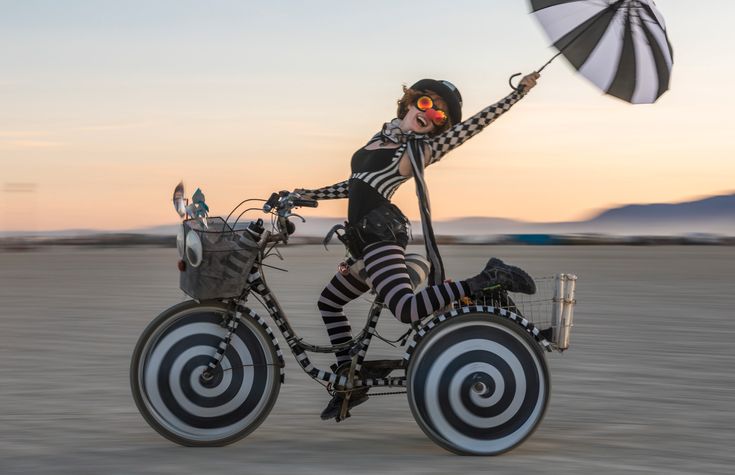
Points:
[[228, 255], [552, 306]]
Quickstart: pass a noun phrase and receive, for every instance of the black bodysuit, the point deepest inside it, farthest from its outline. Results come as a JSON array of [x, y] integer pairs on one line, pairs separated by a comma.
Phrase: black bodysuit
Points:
[[372, 170]]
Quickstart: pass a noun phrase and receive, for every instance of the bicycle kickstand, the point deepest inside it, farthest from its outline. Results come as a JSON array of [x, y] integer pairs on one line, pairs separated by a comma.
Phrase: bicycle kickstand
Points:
[[344, 411]]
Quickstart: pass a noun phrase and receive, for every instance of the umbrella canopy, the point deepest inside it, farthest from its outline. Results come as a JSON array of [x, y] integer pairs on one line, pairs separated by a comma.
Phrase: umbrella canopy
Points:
[[619, 45]]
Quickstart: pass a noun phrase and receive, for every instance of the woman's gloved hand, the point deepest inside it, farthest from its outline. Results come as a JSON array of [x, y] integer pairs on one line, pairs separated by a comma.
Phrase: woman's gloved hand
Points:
[[529, 81], [302, 193]]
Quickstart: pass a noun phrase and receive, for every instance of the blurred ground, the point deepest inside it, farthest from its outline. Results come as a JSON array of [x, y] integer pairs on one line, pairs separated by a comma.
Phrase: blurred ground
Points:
[[647, 386]]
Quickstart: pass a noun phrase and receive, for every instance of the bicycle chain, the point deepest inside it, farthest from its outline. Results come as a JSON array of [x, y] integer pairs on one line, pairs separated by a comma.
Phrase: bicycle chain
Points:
[[387, 394]]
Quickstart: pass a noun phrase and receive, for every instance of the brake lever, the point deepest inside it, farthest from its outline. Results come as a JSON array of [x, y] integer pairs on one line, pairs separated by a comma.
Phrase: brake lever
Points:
[[278, 253], [298, 216]]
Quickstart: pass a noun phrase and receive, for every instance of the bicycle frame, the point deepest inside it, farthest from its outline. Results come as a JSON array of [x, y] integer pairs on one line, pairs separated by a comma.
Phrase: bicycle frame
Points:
[[358, 345]]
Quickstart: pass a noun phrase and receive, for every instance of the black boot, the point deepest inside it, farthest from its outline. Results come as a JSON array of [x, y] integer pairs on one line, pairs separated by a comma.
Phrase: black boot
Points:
[[498, 274], [335, 404]]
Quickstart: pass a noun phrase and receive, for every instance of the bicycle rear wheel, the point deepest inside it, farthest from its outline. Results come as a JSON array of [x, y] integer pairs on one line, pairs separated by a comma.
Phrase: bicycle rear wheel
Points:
[[478, 384]]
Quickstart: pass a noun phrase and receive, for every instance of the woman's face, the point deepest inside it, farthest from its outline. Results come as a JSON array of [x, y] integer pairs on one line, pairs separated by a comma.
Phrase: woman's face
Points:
[[416, 120]]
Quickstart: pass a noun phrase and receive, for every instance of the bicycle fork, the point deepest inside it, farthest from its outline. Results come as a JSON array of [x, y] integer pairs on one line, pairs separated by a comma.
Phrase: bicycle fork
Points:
[[208, 374]]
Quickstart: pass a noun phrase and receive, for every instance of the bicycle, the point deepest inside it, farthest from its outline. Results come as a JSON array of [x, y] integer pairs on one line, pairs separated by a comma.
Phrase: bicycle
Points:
[[207, 371]]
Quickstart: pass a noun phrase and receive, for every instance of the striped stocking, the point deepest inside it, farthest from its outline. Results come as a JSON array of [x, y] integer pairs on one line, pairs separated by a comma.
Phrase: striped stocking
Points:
[[340, 290], [385, 264]]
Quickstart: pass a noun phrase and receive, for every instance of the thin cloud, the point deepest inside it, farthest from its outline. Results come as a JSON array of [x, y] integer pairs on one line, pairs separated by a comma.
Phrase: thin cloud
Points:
[[119, 126], [23, 133], [19, 145], [19, 187]]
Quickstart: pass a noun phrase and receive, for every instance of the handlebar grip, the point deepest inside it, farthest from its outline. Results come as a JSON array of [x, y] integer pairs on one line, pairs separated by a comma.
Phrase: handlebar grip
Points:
[[272, 202], [305, 202]]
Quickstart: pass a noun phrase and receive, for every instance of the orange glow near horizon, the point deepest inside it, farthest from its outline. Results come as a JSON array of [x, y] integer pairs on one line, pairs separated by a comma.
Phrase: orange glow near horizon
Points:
[[127, 116]]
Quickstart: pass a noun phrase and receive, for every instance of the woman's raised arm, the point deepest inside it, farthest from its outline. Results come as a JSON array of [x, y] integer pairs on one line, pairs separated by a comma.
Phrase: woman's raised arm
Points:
[[465, 130]]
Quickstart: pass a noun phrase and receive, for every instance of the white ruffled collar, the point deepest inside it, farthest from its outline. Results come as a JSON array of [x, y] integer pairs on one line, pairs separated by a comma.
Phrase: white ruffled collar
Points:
[[392, 132]]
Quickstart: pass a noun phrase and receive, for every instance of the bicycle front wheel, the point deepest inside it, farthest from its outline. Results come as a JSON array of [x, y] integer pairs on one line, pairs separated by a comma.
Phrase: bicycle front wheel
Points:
[[166, 369]]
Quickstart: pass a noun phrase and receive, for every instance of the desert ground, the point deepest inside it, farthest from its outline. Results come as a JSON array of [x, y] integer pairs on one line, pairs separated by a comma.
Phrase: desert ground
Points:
[[647, 386]]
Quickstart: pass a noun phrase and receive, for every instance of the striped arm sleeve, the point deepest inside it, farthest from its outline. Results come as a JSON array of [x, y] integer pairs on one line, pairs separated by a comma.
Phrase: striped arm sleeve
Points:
[[460, 133], [331, 192]]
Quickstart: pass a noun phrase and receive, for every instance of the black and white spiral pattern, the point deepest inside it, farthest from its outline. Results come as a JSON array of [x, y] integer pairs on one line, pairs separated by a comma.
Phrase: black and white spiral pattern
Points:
[[478, 386], [621, 46], [234, 400]]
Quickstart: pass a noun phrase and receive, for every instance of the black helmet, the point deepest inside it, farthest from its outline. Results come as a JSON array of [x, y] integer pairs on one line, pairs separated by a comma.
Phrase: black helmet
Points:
[[447, 91]]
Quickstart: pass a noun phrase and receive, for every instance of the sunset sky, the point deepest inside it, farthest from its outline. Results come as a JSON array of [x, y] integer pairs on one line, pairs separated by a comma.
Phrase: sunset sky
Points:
[[106, 105]]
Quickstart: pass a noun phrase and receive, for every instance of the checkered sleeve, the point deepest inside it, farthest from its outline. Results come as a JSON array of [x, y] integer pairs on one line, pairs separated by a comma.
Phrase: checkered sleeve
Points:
[[460, 133], [331, 192]]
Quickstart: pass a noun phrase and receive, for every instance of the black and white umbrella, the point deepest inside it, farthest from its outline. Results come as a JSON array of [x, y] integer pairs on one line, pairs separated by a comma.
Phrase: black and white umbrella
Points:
[[620, 45]]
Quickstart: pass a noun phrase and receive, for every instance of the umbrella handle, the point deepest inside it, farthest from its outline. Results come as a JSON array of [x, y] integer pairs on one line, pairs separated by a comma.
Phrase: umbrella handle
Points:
[[518, 88]]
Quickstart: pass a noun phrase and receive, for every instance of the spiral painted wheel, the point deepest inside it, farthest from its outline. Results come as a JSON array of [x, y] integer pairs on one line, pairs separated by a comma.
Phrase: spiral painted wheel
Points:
[[168, 363], [478, 384]]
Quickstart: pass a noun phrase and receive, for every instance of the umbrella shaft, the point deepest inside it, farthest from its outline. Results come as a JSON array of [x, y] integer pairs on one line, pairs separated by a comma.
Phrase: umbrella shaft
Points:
[[549, 62]]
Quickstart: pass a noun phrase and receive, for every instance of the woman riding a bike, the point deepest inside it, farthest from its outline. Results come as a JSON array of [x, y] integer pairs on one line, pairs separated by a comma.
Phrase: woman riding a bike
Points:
[[427, 127]]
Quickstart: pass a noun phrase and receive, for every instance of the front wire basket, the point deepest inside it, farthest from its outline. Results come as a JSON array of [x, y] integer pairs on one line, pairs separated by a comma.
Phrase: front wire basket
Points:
[[226, 260]]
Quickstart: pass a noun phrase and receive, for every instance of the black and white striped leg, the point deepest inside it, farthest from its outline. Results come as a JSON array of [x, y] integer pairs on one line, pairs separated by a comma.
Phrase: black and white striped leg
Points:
[[385, 264], [338, 292]]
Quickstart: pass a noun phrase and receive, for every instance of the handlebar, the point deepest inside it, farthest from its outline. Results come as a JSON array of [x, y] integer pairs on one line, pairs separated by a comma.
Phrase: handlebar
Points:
[[283, 201], [306, 202], [281, 204]]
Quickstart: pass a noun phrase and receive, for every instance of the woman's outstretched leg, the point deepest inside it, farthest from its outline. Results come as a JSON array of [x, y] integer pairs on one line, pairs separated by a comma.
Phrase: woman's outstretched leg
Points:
[[340, 290], [385, 264]]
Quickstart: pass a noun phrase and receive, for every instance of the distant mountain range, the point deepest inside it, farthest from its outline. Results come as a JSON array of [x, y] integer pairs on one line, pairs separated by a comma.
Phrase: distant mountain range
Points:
[[712, 215]]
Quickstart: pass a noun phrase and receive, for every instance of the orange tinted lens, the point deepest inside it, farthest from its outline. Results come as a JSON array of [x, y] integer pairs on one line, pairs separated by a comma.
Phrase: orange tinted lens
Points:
[[440, 118], [424, 103]]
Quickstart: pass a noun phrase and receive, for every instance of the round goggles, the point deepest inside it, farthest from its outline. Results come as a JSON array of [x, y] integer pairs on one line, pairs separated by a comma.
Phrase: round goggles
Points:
[[437, 116]]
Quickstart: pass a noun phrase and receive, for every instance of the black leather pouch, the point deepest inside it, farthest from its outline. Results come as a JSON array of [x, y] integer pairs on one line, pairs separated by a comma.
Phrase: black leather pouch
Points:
[[384, 224]]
